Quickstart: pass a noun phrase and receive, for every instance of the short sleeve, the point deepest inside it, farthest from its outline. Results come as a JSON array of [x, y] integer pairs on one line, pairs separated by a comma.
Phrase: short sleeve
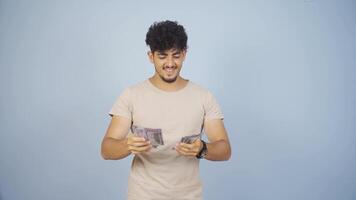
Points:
[[123, 105], [212, 108]]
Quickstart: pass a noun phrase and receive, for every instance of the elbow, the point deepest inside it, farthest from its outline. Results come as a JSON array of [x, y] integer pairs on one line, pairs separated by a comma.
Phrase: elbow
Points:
[[103, 151], [227, 154], [104, 156]]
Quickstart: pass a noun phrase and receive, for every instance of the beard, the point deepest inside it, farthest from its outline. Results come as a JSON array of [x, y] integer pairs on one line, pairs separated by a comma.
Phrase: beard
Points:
[[168, 80]]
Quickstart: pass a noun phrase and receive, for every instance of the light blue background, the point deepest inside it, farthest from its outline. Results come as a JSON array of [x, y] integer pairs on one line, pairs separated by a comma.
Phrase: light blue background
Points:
[[284, 73]]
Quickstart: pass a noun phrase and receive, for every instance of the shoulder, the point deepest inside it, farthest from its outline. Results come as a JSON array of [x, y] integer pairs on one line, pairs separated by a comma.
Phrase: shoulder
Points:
[[136, 87], [129, 91], [197, 88], [204, 94]]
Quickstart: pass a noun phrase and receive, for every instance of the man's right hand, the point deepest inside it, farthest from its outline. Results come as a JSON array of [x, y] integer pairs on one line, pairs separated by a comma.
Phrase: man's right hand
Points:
[[138, 145]]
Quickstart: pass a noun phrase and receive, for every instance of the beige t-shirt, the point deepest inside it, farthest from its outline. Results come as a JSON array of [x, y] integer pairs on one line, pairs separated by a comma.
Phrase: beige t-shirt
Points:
[[162, 173]]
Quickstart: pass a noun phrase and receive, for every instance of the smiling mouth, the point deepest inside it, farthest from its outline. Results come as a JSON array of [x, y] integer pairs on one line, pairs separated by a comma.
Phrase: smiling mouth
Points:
[[169, 70]]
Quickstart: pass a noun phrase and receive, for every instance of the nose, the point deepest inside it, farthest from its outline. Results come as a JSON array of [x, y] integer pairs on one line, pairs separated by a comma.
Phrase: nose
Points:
[[170, 62]]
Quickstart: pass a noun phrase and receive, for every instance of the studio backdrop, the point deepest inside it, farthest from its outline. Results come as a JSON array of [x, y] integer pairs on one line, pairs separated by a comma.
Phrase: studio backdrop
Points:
[[284, 73]]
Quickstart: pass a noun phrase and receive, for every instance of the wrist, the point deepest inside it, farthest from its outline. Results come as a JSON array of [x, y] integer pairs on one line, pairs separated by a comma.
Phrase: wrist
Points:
[[200, 145], [203, 150]]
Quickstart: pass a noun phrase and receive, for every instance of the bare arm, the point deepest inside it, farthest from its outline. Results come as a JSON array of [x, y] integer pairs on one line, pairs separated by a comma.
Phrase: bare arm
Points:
[[219, 147], [114, 145]]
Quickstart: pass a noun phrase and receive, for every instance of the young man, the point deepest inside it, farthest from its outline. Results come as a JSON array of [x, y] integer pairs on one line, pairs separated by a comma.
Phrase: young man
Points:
[[159, 121]]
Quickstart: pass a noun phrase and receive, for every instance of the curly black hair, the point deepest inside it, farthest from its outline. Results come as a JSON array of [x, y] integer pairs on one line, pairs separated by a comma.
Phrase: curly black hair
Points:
[[166, 35]]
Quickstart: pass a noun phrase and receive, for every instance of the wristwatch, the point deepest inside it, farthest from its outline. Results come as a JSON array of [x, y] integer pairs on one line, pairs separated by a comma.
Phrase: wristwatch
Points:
[[203, 151]]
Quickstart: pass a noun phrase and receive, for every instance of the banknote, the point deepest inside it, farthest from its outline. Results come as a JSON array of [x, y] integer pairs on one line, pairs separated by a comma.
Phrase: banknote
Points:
[[150, 134], [190, 138]]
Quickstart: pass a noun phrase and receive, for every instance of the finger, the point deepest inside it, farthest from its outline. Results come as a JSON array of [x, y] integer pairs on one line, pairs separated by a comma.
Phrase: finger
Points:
[[179, 151], [190, 154], [139, 144], [192, 146], [139, 149], [135, 152], [189, 148], [137, 139], [186, 151], [183, 149], [132, 140]]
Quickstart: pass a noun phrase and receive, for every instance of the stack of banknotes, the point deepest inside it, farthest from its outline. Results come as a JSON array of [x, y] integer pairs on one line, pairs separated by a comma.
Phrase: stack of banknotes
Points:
[[190, 138], [154, 135], [150, 134]]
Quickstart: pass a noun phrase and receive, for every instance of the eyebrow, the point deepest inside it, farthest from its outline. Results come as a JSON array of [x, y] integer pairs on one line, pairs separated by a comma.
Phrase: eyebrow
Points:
[[164, 54]]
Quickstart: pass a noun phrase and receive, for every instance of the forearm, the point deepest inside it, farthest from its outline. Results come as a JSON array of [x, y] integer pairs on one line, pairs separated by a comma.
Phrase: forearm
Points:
[[114, 149], [218, 151]]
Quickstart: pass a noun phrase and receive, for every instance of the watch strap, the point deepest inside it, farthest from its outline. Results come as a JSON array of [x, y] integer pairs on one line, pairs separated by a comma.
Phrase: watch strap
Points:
[[203, 151]]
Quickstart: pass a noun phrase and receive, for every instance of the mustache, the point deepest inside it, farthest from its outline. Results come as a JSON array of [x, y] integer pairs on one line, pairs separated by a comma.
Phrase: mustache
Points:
[[174, 67]]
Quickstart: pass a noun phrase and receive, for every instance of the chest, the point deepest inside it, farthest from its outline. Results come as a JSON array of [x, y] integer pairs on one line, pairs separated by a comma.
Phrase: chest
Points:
[[171, 114]]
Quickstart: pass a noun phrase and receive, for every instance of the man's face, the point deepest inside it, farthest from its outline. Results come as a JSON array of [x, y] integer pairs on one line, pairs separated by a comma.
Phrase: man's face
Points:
[[167, 63]]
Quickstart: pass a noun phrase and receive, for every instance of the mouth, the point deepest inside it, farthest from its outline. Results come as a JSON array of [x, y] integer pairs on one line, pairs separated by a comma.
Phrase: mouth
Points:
[[170, 70]]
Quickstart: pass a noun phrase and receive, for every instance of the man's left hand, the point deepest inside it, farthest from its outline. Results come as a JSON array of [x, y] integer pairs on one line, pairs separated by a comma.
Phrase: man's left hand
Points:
[[190, 150]]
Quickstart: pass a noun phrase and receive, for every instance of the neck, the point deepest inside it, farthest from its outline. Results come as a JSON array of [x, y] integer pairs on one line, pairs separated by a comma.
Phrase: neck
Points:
[[178, 84]]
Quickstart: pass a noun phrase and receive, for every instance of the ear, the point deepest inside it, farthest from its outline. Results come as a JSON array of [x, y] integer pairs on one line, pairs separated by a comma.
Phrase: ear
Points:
[[184, 52], [150, 56]]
